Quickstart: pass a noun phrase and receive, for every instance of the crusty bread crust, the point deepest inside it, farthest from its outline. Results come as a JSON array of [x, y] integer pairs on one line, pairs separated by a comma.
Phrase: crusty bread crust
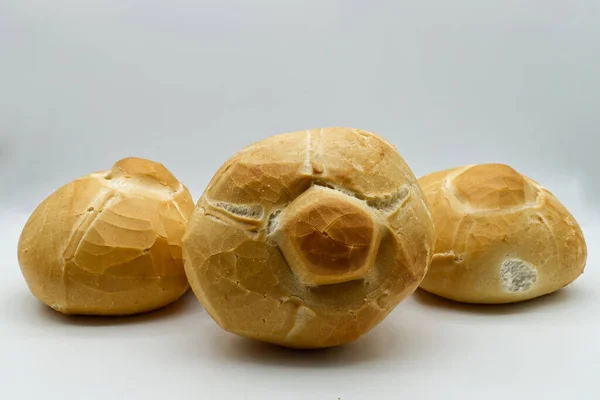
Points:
[[500, 236], [308, 239], [109, 243]]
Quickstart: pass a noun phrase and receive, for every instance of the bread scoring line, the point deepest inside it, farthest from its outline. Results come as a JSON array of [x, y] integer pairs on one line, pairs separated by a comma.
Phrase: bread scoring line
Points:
[[389, 203]]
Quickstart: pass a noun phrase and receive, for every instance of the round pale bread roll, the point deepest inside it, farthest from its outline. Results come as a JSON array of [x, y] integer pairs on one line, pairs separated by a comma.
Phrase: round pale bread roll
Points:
[[500, 236], [308, 239], [109, 243]]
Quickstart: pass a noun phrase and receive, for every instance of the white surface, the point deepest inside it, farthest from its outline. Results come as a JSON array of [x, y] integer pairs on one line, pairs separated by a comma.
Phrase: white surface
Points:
[[188, 83]]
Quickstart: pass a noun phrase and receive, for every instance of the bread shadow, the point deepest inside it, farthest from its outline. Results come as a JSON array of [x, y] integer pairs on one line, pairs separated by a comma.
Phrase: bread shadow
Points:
[[184, 305], [384, 342], [562, 296]]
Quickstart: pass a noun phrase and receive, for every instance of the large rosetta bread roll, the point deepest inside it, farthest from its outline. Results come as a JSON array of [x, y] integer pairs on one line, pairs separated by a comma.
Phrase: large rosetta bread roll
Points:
[[500, 236], [109, 243], [308, 239]]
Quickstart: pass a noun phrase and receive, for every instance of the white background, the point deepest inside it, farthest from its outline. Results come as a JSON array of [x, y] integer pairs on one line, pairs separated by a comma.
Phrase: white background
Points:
[[188, 83]]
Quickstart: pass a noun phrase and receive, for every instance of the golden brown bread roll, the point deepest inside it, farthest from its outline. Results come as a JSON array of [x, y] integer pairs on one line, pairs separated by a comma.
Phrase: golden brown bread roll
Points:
[[109, 243], [308, 239], [500, 236]]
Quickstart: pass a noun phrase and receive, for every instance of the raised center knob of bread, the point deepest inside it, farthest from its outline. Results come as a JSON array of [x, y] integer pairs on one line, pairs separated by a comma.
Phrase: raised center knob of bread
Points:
[[493, 187], [328, 236], [131, 173]]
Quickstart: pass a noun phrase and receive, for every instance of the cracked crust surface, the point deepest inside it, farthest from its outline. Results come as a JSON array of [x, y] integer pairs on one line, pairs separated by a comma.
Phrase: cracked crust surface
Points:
[[308, 239], [109, 243], [500, 236]]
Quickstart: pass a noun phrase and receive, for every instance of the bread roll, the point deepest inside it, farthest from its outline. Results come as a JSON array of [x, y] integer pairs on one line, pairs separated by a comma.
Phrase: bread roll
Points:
[[109, 243], [500, 236], [308, 239]]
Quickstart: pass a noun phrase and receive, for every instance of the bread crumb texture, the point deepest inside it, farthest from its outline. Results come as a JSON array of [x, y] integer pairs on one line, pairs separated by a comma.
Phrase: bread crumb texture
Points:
[[500, 236], [517, 276], [308, 239], [109, 243]]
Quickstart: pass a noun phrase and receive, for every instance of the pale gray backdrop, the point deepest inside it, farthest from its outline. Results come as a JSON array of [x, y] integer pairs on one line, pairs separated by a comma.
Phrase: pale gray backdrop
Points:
[[188, 83]]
